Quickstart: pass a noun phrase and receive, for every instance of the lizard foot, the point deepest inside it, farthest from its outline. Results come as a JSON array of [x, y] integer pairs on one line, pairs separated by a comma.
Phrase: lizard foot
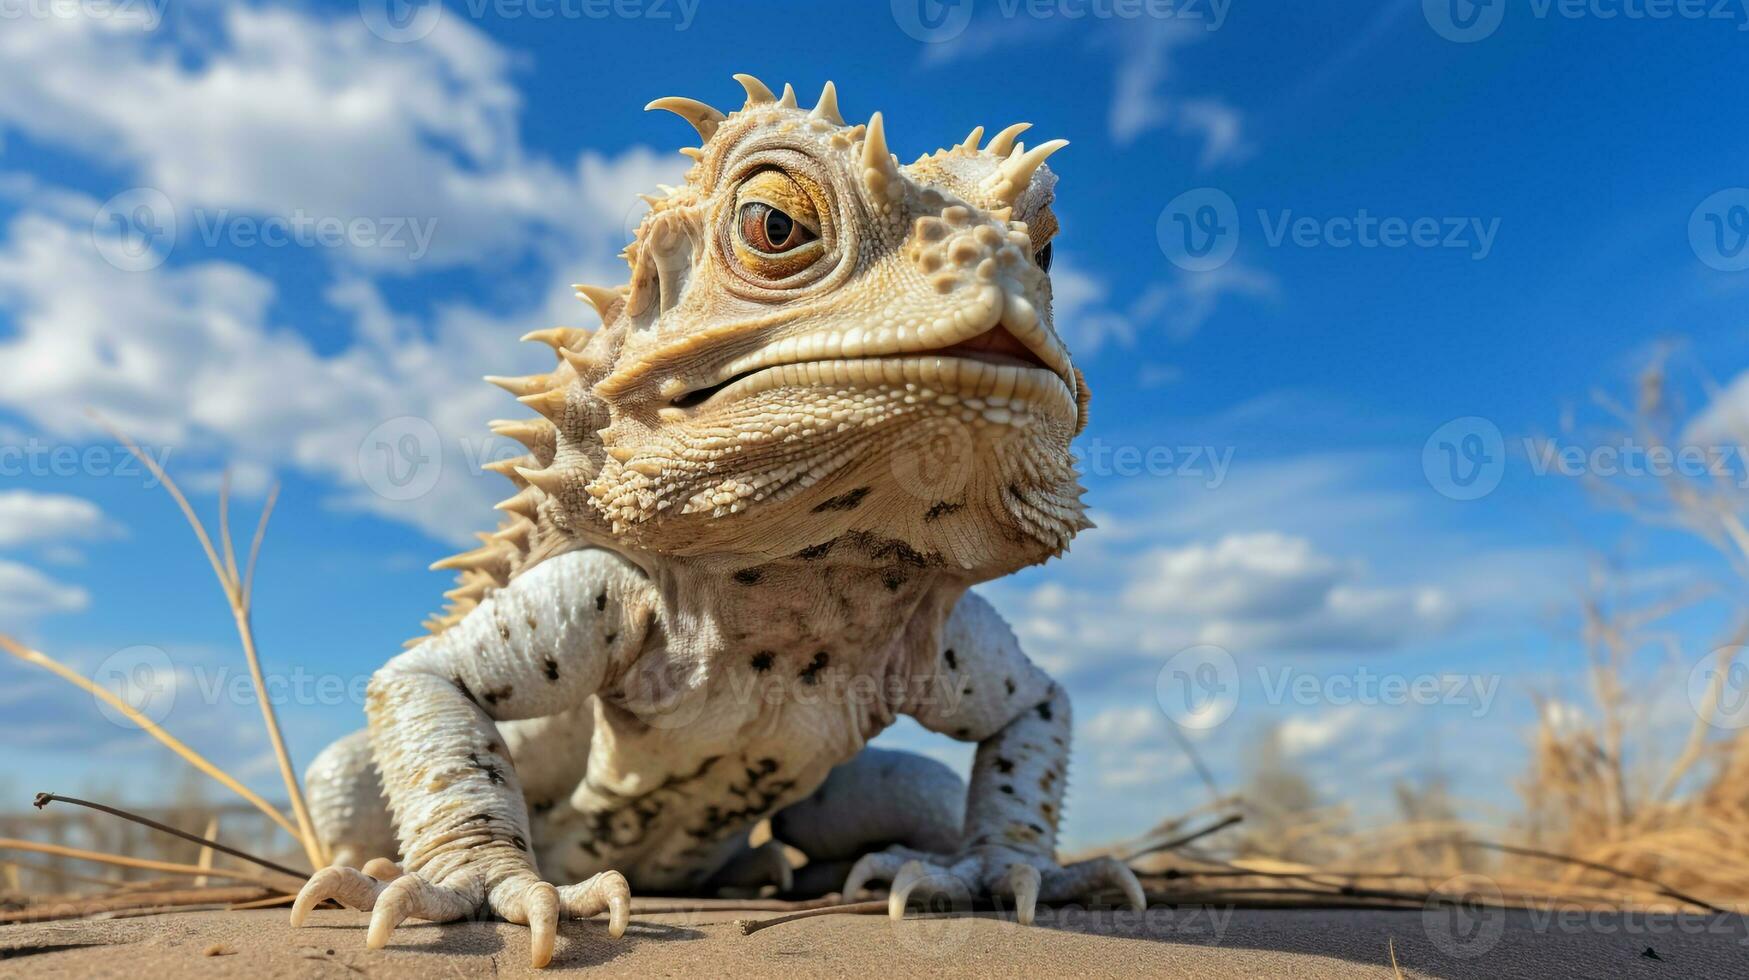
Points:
[[522, 898], [990, 870]]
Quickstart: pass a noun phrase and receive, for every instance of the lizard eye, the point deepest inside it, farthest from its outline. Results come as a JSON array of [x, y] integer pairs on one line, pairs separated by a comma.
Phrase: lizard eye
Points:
[[776, 226], [1042, 257], [770, 230]]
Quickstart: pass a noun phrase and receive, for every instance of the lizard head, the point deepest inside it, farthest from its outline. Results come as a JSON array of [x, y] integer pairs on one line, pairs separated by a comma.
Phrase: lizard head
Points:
[[818, 341]]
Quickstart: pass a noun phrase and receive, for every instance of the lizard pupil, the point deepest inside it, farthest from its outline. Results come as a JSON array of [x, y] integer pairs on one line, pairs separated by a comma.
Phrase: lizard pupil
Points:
[[778, 228]]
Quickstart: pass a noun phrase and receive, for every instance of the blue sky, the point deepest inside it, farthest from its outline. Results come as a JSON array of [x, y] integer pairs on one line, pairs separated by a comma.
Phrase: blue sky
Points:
[[1572, 163]]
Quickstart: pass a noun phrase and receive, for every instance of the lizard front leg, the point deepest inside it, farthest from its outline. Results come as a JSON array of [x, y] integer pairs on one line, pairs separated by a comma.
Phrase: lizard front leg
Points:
[[985, 690], [537, 647]]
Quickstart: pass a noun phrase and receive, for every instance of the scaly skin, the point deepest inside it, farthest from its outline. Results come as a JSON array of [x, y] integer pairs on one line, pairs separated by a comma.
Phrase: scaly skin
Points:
[[829, 400]]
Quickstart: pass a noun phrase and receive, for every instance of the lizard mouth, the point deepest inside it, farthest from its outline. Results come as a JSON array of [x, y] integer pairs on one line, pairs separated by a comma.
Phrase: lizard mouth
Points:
[[995, 347]]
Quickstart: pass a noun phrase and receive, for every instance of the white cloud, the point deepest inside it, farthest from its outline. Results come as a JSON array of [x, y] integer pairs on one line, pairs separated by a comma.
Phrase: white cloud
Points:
[[1306, 734], [276, 111], [29, 518], [291, 112], [1269, 591], [26, 593], [1179, 306], [1141, 97], [1725, 420]]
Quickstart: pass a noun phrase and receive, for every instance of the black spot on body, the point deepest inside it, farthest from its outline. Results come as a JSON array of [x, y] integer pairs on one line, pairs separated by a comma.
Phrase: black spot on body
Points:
[[609, 638], [962, 732], [848, 501], [761, 661], [1009, 683], [601, 600], [1044, 710], [518, 843], [552, 667], [811, 673], [892, 579], [748, 576], [502, 694], [953, 662], [1006, 789], [817, 551], [462, 686], [940, 509], [1004, 765]]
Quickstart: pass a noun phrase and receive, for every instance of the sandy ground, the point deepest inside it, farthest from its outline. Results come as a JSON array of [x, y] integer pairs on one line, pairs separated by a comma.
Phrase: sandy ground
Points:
[[1078, 943]]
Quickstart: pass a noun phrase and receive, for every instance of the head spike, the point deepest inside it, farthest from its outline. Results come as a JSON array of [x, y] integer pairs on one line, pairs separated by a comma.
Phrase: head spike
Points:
[[506, 468], [704, 118], [788, 99], [971, 140], [533, 433], [622, 453], [482, 557], [548, 403], [529, 385], [1015, 173], [550, 481], [692, 152], [1002, 143], [878, 172], [516, 532], [579, 361], [757, 93], [601, 298], [558, 338], [524, 503], [827, 107]]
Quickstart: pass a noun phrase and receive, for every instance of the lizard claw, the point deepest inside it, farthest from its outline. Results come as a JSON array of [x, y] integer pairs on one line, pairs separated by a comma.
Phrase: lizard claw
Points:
[[998, 871], [876, 866], [1023, 884], [412, 896], [348, 886], [607, 891]]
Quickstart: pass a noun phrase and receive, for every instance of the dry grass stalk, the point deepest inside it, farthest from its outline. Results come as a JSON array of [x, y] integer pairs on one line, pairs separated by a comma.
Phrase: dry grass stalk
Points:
[[168, 867], [239, 593], [195, 759]]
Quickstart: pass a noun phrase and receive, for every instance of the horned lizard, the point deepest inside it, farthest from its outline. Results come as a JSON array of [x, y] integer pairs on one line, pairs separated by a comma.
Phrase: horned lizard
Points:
[[829, 401]]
